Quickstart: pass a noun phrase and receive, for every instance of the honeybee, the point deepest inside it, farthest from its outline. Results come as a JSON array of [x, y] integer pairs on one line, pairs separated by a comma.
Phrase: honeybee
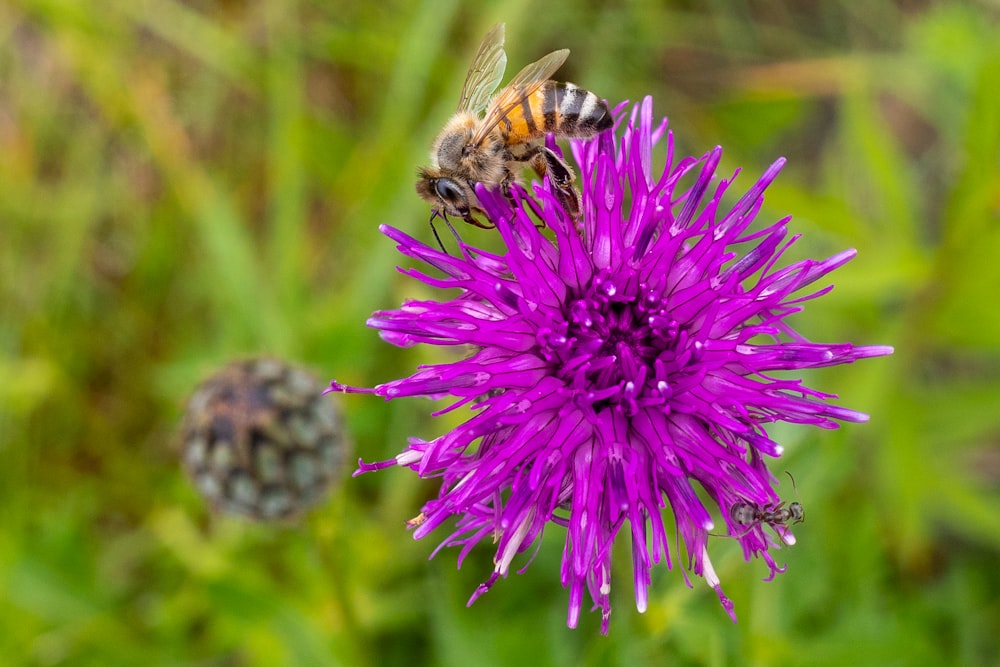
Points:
[[490, 135]]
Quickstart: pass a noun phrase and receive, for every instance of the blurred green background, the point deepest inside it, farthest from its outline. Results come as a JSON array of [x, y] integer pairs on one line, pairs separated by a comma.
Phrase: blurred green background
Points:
[[182, 183]]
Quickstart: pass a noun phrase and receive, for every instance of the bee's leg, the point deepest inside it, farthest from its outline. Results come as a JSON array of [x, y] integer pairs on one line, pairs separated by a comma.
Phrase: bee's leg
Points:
[[506, 182], [562, 177], [570, 199], [471, 219], [559, 172], [479, 223], [545, 161]]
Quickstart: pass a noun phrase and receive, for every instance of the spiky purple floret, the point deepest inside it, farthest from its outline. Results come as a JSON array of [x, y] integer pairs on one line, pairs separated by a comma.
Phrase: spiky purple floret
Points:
[[614, 368]]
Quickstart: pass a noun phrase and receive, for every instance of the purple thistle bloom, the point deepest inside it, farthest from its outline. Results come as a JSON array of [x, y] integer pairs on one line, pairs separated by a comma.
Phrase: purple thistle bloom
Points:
[[616, 368]]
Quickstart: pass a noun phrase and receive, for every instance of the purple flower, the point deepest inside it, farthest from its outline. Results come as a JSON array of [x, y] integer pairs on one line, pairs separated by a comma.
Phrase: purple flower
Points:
[[615, 370]]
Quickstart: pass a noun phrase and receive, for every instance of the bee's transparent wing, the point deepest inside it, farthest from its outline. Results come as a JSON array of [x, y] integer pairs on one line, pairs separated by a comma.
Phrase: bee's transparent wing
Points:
[[527, 81], [539, 71], [486, 72]]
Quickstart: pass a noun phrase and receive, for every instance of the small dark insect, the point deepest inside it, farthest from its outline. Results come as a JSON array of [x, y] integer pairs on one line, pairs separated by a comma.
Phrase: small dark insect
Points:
[[773, 514], [747, 514]]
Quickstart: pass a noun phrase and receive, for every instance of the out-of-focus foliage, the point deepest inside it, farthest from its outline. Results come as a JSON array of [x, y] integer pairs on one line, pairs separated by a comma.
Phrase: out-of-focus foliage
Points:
[[182, 183]]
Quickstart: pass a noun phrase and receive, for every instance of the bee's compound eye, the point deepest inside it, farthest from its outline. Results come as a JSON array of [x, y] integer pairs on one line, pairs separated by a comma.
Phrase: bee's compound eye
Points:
[[447, 190]]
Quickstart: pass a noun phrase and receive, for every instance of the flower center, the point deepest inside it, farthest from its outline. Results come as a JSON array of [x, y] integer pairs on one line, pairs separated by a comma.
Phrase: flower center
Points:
[[617, 346]]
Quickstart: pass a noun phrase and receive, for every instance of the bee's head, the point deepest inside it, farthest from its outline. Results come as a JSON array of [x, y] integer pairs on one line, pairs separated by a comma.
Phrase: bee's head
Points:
[[451, 196]]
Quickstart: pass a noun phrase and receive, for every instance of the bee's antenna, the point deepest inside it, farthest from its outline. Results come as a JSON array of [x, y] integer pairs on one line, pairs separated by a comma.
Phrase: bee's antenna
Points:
[[454, 232], [458, 239], [437, 214]]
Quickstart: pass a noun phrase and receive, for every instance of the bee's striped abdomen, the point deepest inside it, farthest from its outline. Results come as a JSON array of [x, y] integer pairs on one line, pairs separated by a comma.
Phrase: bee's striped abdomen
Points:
[[573, 111], [562, 108]]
